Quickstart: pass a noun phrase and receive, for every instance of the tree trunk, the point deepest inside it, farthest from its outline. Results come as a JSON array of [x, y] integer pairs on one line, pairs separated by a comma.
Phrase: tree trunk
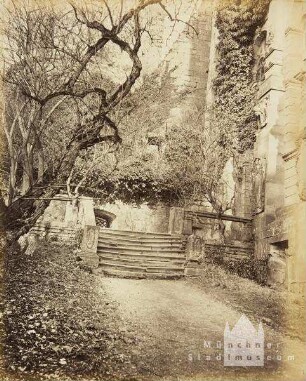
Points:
[[23, 213], [27, 173], [40, 159], [12, 181], [41, 166], [3, 209], [25, 186]]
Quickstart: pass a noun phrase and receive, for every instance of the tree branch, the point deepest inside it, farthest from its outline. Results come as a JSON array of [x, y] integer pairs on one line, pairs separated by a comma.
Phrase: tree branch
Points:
[[176, 19]]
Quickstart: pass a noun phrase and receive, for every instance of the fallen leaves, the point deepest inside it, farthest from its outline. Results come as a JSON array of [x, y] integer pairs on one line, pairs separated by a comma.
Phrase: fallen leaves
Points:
[[55, 321]]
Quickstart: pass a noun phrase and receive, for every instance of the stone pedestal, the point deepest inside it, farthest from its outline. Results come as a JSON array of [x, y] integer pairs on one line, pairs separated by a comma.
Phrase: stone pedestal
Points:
[[195, 248], [89, 246]]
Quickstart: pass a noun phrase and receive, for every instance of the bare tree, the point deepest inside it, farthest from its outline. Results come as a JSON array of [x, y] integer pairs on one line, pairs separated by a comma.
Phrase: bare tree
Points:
[[52, 55]]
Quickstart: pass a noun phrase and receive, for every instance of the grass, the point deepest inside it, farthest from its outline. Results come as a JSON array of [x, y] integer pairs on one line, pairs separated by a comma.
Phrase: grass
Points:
[[282, 310]]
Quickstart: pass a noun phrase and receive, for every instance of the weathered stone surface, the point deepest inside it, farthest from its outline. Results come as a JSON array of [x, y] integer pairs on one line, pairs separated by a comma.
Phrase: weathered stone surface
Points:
[[176, 220], [144, 217], [301, 172], [281, 141], [63, 218], [192, 271], [195, 248], [276, 272], [89, 246]]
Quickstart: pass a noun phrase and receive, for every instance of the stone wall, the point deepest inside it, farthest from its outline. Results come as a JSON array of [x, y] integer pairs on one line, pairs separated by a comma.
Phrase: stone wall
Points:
[[188, 62], [187, 57], [279, 225], [64, 217], [143, 218]]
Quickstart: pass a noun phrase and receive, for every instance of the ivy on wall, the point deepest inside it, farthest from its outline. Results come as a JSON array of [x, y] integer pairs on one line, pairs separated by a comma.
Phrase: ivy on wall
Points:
[[235, 87], [192, 160]]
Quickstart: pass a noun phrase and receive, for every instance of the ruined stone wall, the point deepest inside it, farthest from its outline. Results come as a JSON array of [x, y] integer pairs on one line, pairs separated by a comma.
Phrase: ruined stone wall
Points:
[[143, 218], [188, 61], [193, 57], [281, 219], [63, 218]]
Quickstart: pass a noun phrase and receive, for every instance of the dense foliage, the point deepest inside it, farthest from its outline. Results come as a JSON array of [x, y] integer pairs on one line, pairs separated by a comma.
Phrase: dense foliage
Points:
[[136, 171], [186, 161], [175, 162], [235, 87], [194, 152]]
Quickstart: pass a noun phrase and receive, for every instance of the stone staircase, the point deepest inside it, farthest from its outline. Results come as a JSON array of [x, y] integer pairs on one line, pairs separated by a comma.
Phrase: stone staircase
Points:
[[141, 255]]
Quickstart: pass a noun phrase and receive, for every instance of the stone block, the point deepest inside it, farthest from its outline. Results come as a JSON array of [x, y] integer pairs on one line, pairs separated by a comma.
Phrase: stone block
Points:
[[176, 220], [192, 271], [86, 212], [71, 214], [276, 272], [195, 247], [89, 246]]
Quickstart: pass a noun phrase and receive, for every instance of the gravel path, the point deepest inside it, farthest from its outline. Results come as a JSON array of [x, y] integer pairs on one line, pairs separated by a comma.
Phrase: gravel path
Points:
[[172, 319]]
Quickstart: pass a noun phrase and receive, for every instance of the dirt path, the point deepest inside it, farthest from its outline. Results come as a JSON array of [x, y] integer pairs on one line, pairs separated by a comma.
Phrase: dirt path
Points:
[[172, 319]]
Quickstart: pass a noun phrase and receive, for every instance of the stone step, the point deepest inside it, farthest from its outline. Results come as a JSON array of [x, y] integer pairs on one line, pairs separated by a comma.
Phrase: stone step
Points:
[[141, 255], [122, 267], [141, 261], [39, 228], [149, 255], [139, 275], [165, 270], [134, 268], [139, 246], [138, 233], [126, 238], [139, 250]]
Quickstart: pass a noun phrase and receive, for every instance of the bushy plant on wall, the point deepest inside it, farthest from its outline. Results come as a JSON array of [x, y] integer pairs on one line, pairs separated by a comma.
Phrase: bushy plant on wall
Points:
[[235, 87]]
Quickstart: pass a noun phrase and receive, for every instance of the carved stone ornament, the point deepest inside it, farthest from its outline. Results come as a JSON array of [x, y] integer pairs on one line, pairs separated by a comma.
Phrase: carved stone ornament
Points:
[[259, 178], [261, 112]]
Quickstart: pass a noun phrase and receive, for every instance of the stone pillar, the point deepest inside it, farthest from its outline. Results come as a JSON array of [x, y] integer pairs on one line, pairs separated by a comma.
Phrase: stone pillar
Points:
[[86, 212], [71, 214], [89, 246], [176, 220]]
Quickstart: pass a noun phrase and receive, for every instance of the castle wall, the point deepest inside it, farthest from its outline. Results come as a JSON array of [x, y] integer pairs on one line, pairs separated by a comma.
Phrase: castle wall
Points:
[[188, 61], [280, 225]]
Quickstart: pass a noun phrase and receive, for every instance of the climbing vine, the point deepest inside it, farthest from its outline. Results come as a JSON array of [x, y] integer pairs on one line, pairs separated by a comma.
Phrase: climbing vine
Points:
[[190, 159], [235, 86]]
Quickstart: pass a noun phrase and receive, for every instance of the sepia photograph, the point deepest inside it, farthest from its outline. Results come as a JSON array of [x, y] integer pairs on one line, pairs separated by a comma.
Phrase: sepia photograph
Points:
[[152, 190]]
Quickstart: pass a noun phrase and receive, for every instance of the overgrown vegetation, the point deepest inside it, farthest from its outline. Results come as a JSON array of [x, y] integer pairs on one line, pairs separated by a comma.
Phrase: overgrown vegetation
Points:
[[83, 60], [192, 153], [235, 87], [264, 303], [57, 320], [176, 164], [245, 267], [68, 104], [135, 171]]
